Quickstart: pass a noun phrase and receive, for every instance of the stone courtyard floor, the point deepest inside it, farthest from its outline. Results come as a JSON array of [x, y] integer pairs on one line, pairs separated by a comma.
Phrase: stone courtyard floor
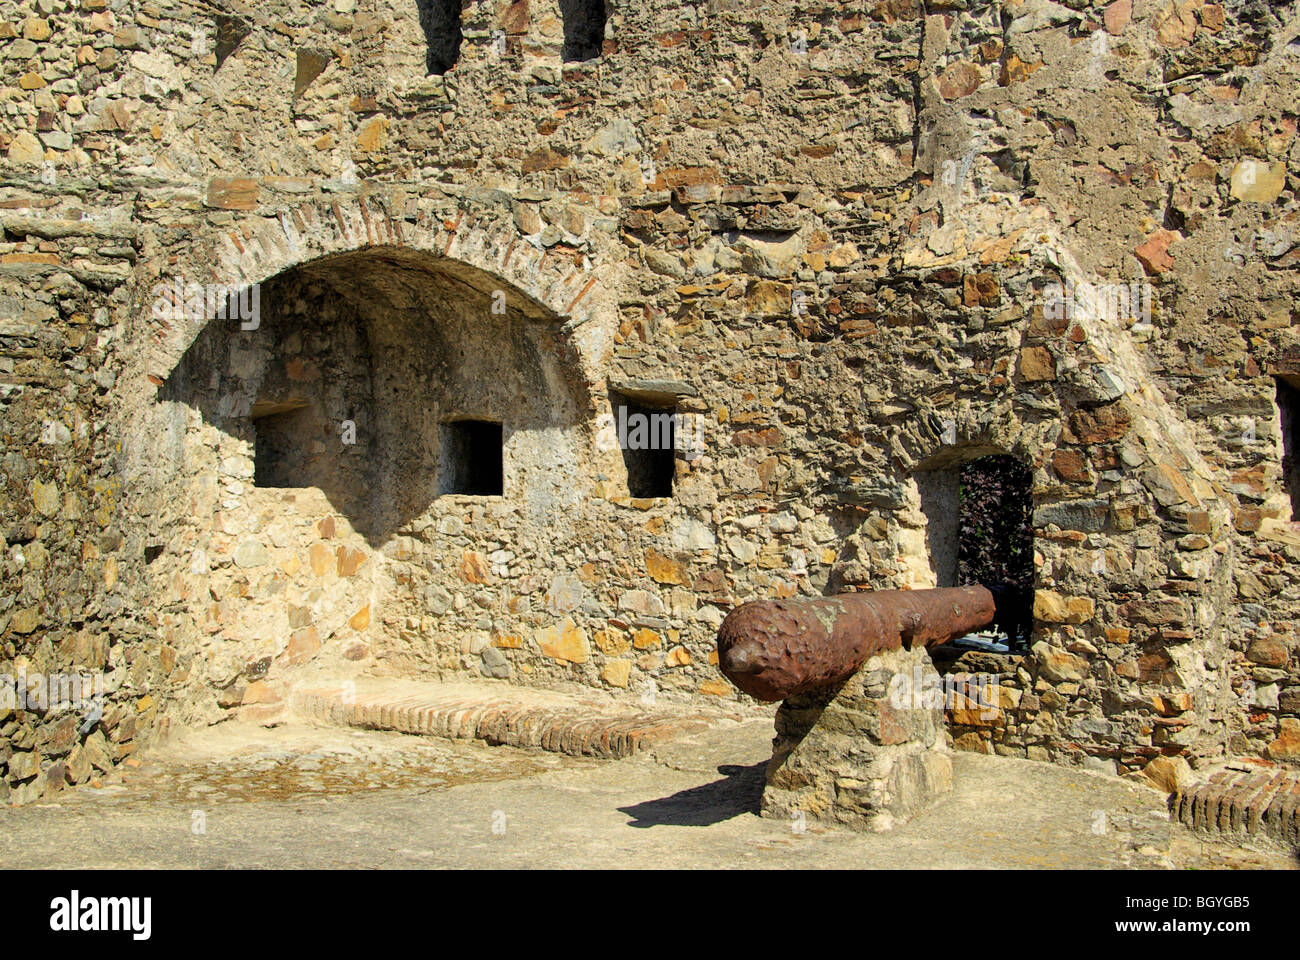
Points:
[[242, 796]]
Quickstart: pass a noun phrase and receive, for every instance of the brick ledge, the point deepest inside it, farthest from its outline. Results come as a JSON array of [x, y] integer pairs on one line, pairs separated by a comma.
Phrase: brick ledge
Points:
[[575, 728], [1242, 803]]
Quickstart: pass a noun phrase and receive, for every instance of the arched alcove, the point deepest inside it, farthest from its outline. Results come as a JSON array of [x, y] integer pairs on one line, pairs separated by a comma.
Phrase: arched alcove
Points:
[[357, 378], [386, 426]]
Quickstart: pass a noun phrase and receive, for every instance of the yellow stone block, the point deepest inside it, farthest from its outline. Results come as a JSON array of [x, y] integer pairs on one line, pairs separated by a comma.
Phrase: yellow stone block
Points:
[[664, 569], [677, 657], [565, 641], [616, 672]]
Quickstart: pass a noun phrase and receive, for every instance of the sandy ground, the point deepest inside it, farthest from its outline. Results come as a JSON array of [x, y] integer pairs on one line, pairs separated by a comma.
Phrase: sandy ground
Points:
[[300, 796]]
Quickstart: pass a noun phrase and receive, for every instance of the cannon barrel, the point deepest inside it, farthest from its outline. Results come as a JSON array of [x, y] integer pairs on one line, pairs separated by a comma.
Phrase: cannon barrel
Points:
[[774, 649]]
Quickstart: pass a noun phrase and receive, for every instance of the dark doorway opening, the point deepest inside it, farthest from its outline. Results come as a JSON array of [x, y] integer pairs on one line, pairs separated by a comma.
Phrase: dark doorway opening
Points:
[[471, 460], [996, 539]]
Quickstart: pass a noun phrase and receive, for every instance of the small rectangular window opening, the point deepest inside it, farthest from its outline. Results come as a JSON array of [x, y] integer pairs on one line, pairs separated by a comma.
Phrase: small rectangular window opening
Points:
[[647, 436], [471, 458], [584, 29], [281, 444]]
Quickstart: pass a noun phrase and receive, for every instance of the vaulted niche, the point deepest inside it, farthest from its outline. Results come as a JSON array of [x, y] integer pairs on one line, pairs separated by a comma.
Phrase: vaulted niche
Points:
[[385, 378]]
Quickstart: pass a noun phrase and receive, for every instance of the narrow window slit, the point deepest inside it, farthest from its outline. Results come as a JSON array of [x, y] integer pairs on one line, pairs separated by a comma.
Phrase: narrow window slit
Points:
[[283, 434], [440, 21], [584, 29]]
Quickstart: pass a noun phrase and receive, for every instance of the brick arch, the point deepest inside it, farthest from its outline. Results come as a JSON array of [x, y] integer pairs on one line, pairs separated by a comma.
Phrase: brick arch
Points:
[[482, 245]]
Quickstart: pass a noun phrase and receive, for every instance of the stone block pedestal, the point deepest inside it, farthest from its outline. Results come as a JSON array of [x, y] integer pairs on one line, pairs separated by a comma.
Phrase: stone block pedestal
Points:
[[857, 756]]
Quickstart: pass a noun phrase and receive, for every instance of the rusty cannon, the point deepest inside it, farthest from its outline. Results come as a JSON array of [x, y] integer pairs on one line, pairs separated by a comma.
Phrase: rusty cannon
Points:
[[774, 649]]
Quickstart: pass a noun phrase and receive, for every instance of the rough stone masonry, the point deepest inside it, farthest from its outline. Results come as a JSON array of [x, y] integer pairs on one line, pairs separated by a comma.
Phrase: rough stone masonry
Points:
[[851, 245]]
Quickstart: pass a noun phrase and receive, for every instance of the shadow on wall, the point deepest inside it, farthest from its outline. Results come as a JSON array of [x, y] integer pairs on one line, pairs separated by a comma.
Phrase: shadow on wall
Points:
[[383, 377]]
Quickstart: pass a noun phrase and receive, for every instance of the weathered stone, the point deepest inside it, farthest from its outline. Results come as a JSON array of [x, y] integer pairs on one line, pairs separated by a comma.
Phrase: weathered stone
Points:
[[24, 765], [616, 672], [544, 158], [1175, 25], [1057, 665], [372, 136], [959, 79], [565, 595], [1037, 364], [1154, 252], [46, 498], [616, 139], [310, 65], [303, 645], [565, 641], [1168, 774], [474, 567], [1257, 182], [495, 663], [1088, 515], [251, 553], [768, 298], [25, 148], [1054, 608], [1071, 465], [641, 602], [237, 193], [321, 558], [1015, 70], [1117, 16], [1268, 651], [361, 619], [1155, 611], [1287, 744], [664, 569], [869, 754], [260, 692], [1099, 424]]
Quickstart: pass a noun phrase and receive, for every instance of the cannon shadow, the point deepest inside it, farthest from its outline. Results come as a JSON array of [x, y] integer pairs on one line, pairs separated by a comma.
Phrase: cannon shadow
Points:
[[738, 793]]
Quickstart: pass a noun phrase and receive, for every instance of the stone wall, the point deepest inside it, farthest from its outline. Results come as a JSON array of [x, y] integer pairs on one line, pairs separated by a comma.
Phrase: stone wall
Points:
[[828, 230]]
